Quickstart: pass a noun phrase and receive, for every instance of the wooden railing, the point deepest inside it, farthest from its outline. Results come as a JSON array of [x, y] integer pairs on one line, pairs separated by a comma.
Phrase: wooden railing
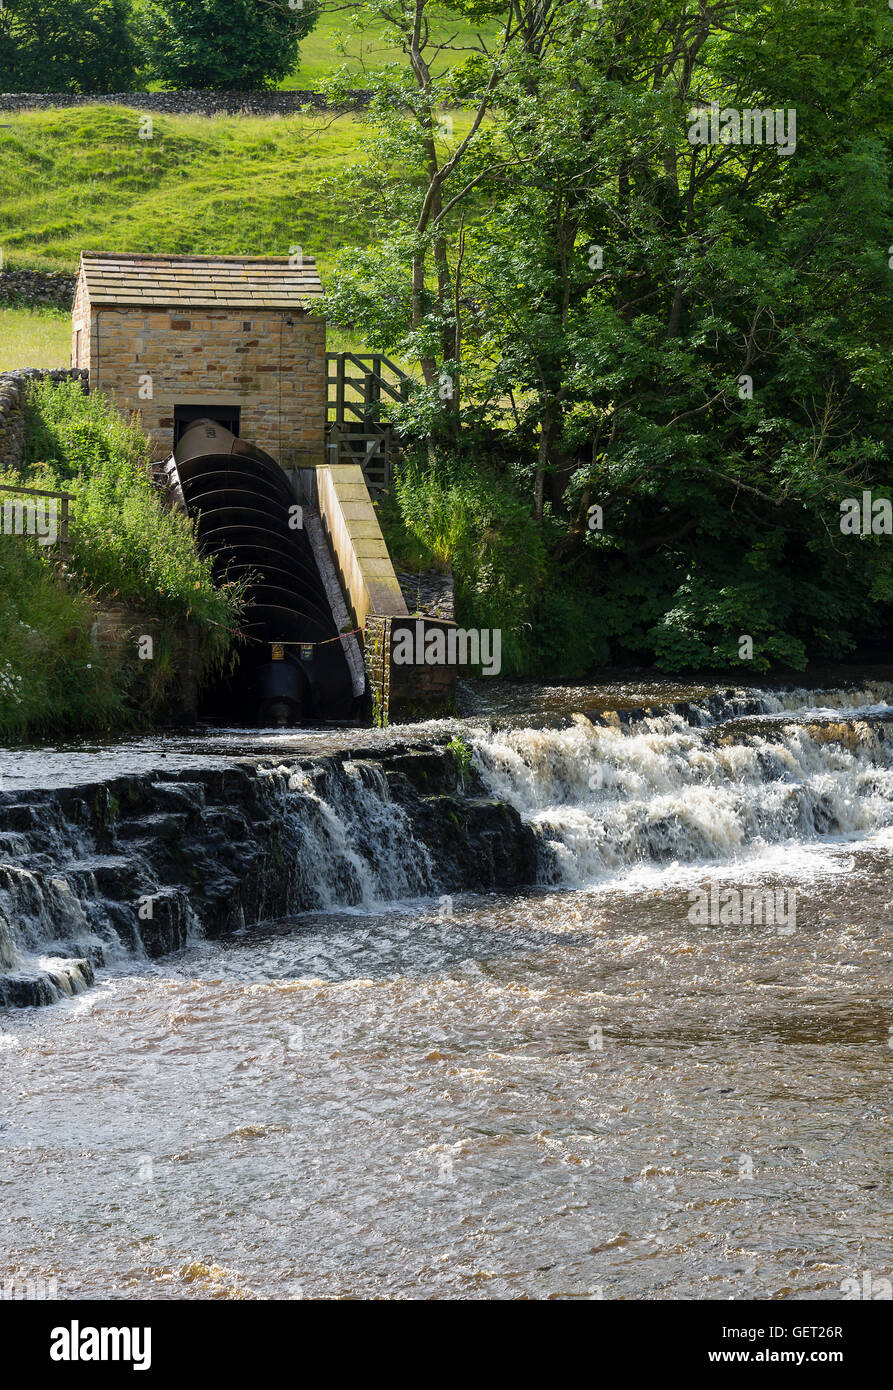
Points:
[[358, 428], [64, 498], [380, 379]]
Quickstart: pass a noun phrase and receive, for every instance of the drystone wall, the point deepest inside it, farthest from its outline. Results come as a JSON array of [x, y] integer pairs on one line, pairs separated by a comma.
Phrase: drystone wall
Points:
[[13, 386], [37, 287], [193, 102]]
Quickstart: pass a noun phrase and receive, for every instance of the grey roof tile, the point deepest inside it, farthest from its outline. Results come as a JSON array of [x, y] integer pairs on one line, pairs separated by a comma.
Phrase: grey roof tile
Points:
[[198, 281]]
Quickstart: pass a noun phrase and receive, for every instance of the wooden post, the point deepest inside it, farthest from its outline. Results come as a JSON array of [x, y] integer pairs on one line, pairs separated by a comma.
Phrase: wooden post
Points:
[[339, 391], [63, 497], [63, 527]]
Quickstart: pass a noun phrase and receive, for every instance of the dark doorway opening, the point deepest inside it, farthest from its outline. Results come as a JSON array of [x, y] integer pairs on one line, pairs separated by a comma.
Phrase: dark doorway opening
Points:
[[184, 415]]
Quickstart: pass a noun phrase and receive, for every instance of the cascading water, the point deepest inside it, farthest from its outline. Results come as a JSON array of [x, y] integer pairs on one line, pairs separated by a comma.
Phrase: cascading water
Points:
[[364, 1013], [141, 865], [689, 787]]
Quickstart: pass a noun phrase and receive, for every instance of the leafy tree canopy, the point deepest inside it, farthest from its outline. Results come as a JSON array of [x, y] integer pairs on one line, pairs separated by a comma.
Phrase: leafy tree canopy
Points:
[[66, 46], [651, 274], [225, 45]]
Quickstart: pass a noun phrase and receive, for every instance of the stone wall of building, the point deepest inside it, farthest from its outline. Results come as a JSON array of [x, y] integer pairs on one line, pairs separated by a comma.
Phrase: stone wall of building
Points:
[[270, 363], [80, 326], [13, 386]]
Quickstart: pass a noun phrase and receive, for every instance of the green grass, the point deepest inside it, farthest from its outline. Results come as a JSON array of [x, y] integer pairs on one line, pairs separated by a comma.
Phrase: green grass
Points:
[[34, 337], [321, 54], [123, 545], [50, 675], [82, 178]]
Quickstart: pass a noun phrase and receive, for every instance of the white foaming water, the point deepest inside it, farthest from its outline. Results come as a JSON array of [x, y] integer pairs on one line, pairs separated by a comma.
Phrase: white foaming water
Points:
[[638, 796], [357, 845], [609, 802]]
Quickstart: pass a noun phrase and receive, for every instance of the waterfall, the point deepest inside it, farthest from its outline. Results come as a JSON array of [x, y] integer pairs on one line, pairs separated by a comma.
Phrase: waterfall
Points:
[[353, 845], [694, 784], [137, 866]]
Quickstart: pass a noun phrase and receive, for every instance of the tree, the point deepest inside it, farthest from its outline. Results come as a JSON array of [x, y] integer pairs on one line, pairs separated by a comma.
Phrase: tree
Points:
[[66, 46], [419, 177], [225, 45], [664, 312]]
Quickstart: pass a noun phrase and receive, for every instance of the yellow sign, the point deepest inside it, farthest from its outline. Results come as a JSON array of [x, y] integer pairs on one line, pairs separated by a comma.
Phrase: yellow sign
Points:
[[278, 651]]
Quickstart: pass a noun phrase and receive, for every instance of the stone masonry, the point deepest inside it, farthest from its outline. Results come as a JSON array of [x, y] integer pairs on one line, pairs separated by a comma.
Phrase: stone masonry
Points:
[[13, 389], [160, 332]]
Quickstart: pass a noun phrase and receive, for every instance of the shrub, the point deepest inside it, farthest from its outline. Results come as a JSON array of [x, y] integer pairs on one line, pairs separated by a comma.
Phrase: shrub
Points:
[[50, 677], [66, 46], [123, 544], [227, 45], [477, 523]]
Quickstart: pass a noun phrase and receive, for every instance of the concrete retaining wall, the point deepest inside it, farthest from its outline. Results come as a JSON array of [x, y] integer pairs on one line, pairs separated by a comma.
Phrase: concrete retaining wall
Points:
[[399, 692], [352, 526]]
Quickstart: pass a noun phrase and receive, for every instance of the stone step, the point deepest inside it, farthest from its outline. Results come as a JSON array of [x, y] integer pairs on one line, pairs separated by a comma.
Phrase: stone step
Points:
[[55, 979], [154, 826]]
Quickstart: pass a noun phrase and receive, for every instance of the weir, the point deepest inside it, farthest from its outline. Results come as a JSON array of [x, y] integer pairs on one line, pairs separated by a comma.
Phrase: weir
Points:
[[138, 865]]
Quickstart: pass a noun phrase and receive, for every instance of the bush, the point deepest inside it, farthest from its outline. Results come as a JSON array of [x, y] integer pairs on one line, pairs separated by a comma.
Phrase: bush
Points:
[[123, 544], [50, 677], [227, 45], [453, 513], [66, 46]]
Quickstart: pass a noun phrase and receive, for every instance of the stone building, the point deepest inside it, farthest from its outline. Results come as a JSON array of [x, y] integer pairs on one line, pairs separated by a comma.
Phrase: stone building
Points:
[[230, 337]]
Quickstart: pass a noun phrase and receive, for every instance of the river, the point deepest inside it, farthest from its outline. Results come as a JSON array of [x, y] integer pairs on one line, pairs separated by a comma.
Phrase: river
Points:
[[624, 1079]]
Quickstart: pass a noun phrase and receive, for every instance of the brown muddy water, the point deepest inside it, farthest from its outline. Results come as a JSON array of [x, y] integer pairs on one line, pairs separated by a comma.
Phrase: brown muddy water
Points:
[[573, 1092]]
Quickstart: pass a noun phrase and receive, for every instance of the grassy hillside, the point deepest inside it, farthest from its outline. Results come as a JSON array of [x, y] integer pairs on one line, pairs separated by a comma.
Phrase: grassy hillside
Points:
[[321, 54], [82, 178], [34, 337]]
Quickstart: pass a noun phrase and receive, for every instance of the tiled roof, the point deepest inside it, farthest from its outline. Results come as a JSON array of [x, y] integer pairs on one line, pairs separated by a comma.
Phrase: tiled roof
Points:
[[192, 282]]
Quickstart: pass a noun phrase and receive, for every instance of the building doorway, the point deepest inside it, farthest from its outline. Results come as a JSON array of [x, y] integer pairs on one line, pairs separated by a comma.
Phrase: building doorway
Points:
[[225, 415]]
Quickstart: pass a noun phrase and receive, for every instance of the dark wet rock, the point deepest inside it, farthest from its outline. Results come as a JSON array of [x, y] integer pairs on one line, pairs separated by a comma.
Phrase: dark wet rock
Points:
[[57, 979], [140, 863], [428, 593], [477, 843]]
